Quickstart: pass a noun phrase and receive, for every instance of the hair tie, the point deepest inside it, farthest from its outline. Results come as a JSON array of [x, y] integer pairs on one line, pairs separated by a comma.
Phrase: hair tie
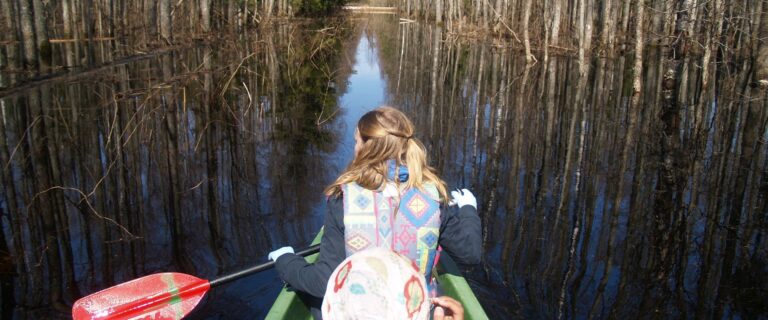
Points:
[[397, 134]]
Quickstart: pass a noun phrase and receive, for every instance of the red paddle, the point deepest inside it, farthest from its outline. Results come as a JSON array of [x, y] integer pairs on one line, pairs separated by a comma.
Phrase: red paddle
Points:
[[168, 295]]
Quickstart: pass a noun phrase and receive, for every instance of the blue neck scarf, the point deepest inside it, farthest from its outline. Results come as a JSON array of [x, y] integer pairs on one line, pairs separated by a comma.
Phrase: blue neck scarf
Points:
[[402, 171]]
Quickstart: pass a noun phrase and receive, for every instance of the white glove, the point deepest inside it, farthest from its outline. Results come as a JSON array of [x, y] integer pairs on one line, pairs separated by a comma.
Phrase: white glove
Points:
[[463, 197], [279, 252]]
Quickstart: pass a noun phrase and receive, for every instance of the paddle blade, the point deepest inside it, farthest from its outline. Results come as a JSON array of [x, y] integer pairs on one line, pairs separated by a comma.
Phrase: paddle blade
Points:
[[167, 295]]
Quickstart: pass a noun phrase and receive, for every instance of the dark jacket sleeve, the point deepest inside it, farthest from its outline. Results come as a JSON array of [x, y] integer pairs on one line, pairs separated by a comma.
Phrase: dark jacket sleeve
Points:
[[313, 278], [460, 234]]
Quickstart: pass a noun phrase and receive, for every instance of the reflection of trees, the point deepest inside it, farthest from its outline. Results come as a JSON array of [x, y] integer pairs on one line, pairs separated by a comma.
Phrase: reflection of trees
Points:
[[603, 193], [308, 94], [167, 163]]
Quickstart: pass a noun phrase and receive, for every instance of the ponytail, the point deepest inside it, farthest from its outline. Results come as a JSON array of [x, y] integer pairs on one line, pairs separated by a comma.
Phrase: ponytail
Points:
[[419, 171]]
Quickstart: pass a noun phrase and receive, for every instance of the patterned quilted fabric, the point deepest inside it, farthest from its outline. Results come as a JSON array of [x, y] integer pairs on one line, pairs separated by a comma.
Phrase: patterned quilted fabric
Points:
[[376, 284]]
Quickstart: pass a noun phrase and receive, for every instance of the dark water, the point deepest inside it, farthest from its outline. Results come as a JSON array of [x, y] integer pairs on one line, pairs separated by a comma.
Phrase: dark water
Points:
[[202, 160]]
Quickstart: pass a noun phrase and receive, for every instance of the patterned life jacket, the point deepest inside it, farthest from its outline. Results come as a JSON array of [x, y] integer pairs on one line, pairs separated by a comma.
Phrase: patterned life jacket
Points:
[[370, 221]]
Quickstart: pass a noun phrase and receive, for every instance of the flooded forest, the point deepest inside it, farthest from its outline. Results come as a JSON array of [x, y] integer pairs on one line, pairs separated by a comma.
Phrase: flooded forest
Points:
[[617, 149]]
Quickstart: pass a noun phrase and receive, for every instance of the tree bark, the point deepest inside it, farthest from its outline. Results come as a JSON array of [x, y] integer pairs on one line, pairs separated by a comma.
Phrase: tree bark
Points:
[[41, 34], [164, 12], [29, 49], [761, 68], [205, 14], [439, 11], [606, 34], [556, 23], [8, 56], [712, 42], [526, 17], [637, 81], [585, 37], [625, 23], [437, 37]]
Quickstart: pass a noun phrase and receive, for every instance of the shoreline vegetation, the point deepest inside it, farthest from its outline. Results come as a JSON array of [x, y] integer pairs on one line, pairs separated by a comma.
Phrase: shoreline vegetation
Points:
[[37, 35], [716, 32]]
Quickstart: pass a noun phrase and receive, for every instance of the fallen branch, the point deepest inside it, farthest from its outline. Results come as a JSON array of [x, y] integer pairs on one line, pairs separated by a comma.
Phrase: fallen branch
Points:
[[226, 84], [88, 203], [80, 40]]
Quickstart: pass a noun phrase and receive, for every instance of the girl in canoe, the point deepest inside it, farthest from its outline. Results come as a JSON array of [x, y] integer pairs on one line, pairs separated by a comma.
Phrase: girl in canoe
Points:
[[387, 197]]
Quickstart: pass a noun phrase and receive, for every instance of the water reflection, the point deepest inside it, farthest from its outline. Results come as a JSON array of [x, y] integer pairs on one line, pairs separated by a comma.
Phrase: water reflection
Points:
[[593, 208], [202, 160], [198, 160]]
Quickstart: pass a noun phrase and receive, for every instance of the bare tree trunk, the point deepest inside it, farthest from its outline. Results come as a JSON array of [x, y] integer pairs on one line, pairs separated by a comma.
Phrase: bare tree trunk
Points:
[[497, 18], [269, 6], [637, 81], [712, 36], [8, 56], [526, 17], [606, 34], [164, 19], [403, 36], [547, 17], [232, 14], [478, 12], [691, 10], [439, 11], [88, 26], [437, 37], [761, 61], [68, 52], [41, 34], [66, 18], [205, 13], [29, 48], [585, 37], [625, 23], [556, 23]]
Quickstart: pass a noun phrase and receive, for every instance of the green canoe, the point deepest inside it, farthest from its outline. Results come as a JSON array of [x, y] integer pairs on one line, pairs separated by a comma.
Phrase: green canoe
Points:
[[289, 306]]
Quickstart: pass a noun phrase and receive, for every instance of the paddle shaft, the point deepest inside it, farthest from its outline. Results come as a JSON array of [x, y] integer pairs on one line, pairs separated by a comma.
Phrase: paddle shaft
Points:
[[167, 295], [246, 272]]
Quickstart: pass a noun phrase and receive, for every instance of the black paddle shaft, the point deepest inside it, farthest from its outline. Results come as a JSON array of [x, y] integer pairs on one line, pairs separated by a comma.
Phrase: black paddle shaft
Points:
[[246, 272]]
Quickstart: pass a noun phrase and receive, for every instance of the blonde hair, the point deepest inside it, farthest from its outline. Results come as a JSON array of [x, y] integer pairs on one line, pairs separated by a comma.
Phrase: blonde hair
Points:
[[387, 134]]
